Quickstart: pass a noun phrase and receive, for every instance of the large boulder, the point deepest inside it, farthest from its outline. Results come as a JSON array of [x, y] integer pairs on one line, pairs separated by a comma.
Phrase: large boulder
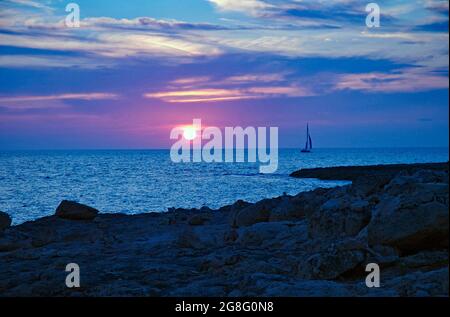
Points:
[[75, 211], [5, 221], [413, 217]]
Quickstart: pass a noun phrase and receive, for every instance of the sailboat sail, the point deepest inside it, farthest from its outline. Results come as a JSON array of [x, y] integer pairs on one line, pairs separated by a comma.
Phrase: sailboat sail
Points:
[[308, 145]]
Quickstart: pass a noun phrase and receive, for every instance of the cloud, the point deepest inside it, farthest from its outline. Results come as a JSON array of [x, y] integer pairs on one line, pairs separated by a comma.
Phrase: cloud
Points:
[[54, 102], [114, 45], [50, 61], [146, 23], [214, 94], [275, 29], [439, 6], [31, 3], [68, 96], [406, 80], [247, 6]]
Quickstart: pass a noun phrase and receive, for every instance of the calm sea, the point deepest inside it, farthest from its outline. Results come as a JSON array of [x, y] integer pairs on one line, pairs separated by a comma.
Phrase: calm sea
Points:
[[32, 183]]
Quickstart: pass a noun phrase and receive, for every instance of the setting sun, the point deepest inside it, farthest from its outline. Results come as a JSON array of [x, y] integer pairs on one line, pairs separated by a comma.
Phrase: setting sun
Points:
[[189, 132]]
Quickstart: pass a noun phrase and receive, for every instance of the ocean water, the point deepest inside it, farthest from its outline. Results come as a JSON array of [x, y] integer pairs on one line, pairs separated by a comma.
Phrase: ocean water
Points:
[[32, 183]]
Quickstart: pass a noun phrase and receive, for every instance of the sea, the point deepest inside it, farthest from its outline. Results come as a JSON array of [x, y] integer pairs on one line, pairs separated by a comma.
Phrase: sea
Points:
[[32, 183]]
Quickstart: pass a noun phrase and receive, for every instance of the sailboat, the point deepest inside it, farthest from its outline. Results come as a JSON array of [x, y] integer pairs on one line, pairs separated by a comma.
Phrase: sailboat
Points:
[[308, 146]]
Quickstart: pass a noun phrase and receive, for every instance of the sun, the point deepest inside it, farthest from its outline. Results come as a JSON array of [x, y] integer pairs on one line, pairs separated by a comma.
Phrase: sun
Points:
[[189, 133]]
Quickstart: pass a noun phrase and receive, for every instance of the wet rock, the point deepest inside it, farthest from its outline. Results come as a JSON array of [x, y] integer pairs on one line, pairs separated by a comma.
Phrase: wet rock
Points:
[[75, 211]]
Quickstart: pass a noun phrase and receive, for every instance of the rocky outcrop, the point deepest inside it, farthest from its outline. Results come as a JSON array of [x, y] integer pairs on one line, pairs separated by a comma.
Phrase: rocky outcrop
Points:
[[75, 211], [5, 221], [413, 213], [312, 244], [352, 173]]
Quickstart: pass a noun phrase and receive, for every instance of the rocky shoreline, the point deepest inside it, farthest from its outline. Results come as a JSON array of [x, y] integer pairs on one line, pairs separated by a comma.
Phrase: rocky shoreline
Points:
[[316, 243]]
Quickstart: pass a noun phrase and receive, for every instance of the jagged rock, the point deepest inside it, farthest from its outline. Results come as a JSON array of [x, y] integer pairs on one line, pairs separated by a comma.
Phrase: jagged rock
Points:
[[75, 211], [5, 221], [311, 244]]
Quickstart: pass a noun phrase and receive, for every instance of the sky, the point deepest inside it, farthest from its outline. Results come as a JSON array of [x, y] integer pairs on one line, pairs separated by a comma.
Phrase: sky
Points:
[[133, 70]]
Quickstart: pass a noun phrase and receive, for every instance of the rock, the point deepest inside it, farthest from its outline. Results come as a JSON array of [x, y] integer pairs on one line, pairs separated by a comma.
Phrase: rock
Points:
[[74, 211], [260, 233], [234, 208], [339, 218], [230, 236], [330, 264], [305, 288], [287, 208], [367, 186], [252, 214], [311, 244], [413, 221], [7, 245], [425, 260], [309, 202], [5, 221], [432, 283], [198, 220], [272, 234]]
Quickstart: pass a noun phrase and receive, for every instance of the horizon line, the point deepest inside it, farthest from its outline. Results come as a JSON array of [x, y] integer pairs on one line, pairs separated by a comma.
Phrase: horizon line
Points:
[[168, 149]]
